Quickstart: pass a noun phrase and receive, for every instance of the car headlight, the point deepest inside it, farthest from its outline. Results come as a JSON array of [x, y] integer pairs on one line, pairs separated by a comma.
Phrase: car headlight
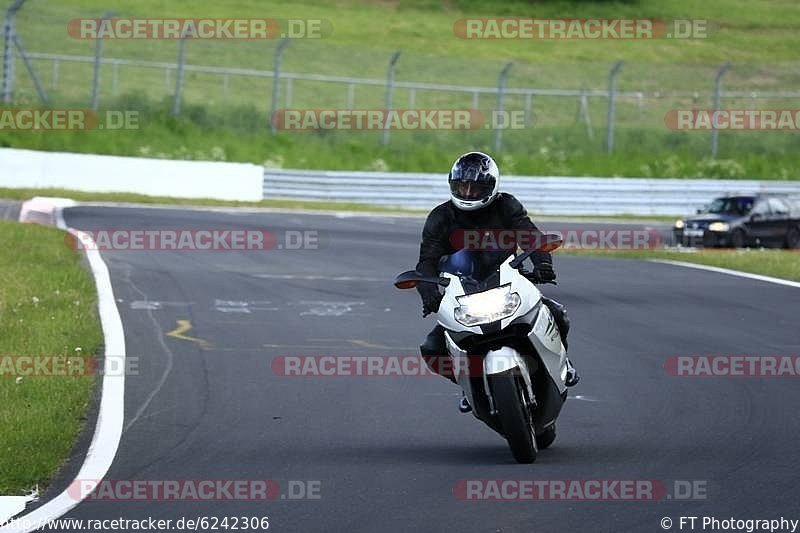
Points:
[[487, 306], [679, 224], [718, 226]]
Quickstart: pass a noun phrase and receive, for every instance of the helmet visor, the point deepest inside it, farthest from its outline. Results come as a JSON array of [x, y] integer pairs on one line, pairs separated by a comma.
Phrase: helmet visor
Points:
[[471, 189]]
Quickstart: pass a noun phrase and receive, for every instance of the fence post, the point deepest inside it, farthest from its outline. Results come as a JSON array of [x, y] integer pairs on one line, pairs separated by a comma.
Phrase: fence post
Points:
[[389, 90], [351, 94], [176, 99], [115, 79], [98, 53], [9, 30], [612, 105], [54, 81], [28, 65], [501, 90], [276, 82], [583, 113], [717, 94], [528, 106]]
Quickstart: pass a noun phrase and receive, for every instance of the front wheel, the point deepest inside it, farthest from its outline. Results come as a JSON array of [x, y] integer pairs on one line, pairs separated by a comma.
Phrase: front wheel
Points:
[[515, 417], [738, 239], [545, 439]]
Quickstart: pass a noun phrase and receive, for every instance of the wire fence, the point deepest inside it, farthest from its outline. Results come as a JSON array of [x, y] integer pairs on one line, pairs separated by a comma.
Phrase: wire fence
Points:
[[580, 107]]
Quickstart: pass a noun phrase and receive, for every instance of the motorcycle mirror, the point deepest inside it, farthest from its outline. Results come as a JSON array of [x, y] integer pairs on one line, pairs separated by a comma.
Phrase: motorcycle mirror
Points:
[[410, 278], [550, 242]]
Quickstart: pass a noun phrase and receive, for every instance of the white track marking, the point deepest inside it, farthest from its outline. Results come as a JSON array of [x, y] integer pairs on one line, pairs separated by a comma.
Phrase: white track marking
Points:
[[169, 357], [583, 398], [319, 277], [108, 430], [324, 308], [738, 273]]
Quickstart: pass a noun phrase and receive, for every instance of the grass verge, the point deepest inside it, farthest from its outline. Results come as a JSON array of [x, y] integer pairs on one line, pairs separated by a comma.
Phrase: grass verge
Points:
[[776, 263], [47, 308], [124, 197]]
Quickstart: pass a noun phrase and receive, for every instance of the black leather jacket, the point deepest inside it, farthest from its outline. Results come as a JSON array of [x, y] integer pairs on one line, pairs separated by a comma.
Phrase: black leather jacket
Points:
[[505, 212]]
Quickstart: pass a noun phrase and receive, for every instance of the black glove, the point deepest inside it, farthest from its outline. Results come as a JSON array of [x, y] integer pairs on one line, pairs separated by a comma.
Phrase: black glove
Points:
[[543, 263], [431, 297]]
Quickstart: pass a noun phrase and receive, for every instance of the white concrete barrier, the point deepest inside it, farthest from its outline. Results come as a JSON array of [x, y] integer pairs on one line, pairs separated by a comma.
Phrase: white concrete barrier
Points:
[[154, 177]]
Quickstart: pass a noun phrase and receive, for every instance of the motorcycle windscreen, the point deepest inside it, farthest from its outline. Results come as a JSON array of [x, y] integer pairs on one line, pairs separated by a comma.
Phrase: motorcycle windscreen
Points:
[[475, 264]]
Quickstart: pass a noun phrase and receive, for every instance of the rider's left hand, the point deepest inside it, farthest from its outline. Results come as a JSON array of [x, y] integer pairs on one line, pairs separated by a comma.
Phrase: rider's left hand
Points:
[[543, 261]]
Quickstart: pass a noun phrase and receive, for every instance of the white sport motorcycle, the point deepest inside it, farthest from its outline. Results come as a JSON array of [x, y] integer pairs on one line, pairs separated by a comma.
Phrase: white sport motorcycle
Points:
[[504, 344]]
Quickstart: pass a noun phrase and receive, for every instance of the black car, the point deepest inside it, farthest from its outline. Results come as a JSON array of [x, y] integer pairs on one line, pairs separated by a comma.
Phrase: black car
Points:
[[743, 220]]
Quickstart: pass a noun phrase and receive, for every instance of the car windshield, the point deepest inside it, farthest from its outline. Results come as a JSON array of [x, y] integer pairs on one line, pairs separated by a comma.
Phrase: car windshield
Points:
[[736, 205], [473, 264]]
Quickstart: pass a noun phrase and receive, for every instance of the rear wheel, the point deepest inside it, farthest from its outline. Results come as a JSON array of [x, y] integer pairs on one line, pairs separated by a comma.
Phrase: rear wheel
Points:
[[515, 416], [544, 440], [793, 238]]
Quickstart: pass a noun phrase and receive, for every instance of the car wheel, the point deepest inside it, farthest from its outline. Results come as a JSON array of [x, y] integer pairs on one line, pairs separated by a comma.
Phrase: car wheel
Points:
[[737, 239], [793, 238]]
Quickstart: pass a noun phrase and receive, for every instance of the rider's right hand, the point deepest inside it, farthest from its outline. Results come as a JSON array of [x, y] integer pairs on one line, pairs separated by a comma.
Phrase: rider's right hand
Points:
[[431, 297]]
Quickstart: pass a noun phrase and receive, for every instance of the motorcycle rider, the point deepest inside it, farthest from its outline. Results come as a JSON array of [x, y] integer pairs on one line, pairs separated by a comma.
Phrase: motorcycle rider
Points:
[[476, 203]]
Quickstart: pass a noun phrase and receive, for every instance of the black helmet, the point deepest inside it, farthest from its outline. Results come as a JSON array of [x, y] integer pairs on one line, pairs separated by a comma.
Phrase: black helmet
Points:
[[474, 181]]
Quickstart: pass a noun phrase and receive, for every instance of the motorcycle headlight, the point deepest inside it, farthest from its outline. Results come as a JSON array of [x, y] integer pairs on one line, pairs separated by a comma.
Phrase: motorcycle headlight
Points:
[[679, 224], [718, 226], [487, 306]]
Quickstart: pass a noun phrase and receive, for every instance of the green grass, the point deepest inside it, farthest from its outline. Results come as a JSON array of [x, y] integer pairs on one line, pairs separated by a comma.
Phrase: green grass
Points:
[[421, 27], [776, 263], [82, 196], [228, 122], [240, 135], [47, 308]]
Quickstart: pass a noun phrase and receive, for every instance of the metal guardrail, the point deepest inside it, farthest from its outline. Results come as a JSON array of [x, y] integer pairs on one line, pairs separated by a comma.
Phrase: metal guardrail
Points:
[[541, 195]]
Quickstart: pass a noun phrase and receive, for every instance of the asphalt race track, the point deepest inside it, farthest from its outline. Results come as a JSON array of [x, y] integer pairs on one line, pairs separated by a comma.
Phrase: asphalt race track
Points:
[[387, 451]]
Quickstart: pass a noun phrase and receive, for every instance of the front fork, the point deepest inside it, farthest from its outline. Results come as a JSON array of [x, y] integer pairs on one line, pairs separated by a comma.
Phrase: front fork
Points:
[[500, 361]]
